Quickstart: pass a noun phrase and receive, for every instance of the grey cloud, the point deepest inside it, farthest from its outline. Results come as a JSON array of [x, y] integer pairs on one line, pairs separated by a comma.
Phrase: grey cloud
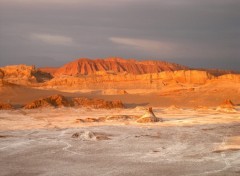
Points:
[[202, 33]]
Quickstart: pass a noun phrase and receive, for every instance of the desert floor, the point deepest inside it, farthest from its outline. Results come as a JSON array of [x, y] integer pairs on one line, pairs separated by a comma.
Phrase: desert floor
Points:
[[185, 96], [189, 142]]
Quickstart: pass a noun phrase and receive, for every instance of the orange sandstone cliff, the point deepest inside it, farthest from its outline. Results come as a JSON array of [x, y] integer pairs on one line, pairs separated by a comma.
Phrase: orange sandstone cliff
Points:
[[110, 73], [113, 65]]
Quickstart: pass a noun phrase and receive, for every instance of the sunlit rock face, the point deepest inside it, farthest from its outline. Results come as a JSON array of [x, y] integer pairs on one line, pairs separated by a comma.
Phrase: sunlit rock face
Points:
[[111, 73], [5, 106], [149, 116], [51, 101], [115, 65], [227, 106], [61, 101], [23, 74]]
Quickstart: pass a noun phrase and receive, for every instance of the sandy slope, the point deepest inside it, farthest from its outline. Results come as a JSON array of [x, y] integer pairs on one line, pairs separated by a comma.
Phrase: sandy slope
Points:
[[189, 142], [185, 95]]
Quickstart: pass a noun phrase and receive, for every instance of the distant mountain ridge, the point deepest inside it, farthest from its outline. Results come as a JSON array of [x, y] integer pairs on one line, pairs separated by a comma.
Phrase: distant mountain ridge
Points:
[[86, 66]]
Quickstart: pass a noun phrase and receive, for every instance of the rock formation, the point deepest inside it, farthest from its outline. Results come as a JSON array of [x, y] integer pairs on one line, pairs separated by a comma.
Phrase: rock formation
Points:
[[111, 73], [23, 74], [51, 101], [219, 72], [1, 77], [97, 103], [113, 65], [227, 106], [90, 136], [5, 106], [61, 101], [114, 92], [50, 70], [149, 116], [186, 76], [121, 82]]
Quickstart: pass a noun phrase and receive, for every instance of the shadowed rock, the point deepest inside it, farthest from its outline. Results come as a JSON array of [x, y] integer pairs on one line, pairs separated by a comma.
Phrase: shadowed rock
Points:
[[121, 117], [97, 103], [61, 101], [89, 120]]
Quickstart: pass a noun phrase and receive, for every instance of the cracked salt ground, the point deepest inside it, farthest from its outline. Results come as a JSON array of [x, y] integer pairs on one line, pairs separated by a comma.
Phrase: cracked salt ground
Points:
[[175, 147]]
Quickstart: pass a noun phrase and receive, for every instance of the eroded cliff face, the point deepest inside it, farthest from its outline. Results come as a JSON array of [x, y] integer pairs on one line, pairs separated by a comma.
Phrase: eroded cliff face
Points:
[[232, 77], [186, 76], [155, 80], [114, 65], [110, 73], [61, 101], [22, 74], [18, 74], [5, 106]]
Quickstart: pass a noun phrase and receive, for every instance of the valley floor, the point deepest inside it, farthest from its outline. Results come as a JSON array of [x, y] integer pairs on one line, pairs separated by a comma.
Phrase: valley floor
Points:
[[189, 142]]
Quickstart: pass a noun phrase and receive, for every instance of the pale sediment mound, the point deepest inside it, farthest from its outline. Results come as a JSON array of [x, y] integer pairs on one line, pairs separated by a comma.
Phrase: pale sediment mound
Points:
[[227, 106], [5, 106], [90, 120], [232, 144], [90, 136], [51, 101], [149, 116], [97, 103]]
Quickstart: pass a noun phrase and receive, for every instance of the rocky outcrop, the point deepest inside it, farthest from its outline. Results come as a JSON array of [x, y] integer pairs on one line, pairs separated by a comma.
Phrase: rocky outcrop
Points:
[[230, 77], [227, 106], [219, 72], [114, 92], [51, 101], [23, 74], [111, 73], [121, 82], [149, 116], [5, 106], [1, 77], [90, 136], [113, 66], [61, 101], [50, 70], [97, 103], [186, 76]]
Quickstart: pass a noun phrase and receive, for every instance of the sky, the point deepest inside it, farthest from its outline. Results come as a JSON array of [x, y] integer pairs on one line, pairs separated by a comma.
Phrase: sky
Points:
[[200, 34]]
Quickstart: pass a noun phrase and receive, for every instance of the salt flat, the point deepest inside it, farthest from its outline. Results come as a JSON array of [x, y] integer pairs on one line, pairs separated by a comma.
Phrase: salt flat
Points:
[[189, 142]]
